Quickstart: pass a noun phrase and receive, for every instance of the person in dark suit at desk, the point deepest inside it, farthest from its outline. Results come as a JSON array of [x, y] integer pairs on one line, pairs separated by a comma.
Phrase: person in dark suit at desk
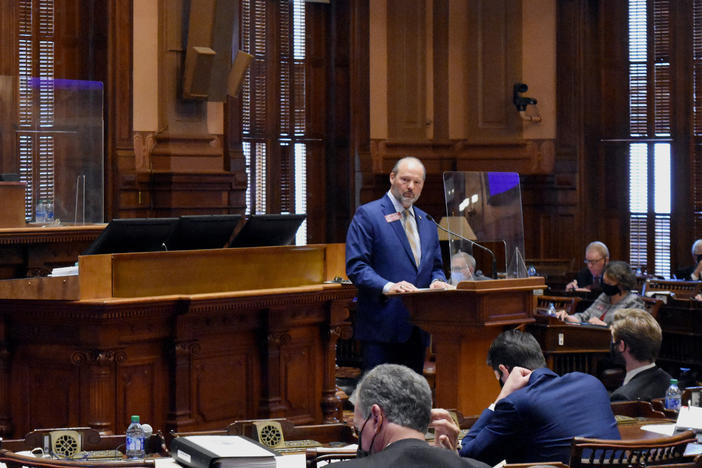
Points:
[[617, 283], [392, 247], [392, 410], [636, 339], [590, 277], [537, 413], [694, 272]]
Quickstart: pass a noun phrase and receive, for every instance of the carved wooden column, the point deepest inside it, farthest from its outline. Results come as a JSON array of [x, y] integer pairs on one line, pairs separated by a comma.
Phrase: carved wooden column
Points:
[[99, 380], [336, 328], [5, 420], [179, 394], [271, 404]]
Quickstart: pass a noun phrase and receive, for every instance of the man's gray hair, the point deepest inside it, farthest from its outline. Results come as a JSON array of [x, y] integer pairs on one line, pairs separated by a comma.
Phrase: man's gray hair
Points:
[[598, 247], [470, 261], [695, 245], [396, 167], [404, 396]]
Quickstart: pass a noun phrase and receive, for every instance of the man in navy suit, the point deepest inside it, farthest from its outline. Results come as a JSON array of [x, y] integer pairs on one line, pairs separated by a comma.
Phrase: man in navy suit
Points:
[[537, 413], [392, 247]]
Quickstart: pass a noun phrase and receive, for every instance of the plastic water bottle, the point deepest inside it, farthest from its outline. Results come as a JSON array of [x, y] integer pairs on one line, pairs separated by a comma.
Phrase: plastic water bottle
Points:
[[49, 208], [135, 439], [672, 396], [41, 212], [551, 309]]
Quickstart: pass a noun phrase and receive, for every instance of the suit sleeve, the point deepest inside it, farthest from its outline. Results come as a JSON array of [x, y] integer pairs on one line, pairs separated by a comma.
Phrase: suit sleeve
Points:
[[438, 267], [494, 435], [359, 253]]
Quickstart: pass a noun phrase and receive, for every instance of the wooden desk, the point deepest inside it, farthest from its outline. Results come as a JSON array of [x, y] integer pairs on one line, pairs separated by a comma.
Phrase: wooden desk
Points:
[[463, 323], [34, 250], [570, 347], [135, 337]]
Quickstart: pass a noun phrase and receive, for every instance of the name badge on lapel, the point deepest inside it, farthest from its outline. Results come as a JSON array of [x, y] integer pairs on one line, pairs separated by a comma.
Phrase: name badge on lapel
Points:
[[392, 217]]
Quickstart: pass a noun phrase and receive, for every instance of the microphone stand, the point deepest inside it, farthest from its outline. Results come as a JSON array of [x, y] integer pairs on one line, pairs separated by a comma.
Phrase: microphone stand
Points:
[[472, 243]]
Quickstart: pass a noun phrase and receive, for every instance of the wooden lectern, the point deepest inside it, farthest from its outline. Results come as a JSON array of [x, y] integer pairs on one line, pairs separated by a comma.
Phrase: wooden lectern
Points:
[[463, 323]]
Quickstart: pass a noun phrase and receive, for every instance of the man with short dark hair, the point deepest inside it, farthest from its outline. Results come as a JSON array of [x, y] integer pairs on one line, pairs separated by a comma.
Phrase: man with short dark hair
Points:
[[636, 339], [391, 415], [537, 413]]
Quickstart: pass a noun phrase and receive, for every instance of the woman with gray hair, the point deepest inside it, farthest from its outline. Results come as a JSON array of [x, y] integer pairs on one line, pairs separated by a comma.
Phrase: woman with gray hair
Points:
[[617, 283]]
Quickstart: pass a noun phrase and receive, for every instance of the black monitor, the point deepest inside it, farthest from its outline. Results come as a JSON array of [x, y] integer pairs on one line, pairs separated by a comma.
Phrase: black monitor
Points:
[[203, 232], [268, 229], [133, 235]]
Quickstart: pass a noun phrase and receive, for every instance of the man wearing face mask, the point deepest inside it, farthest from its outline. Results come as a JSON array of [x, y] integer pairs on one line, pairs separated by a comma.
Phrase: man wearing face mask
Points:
[[537, 413], [694, 272], [463, 268], [391, 414], [636, 340], [392, 247], [617, 283]]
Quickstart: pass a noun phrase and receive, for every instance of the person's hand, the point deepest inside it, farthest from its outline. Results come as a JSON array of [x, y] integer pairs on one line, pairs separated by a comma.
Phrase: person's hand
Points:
[[445, 430], [596, 321], [561, 314], [439, 285], [572, 286], [698, 297], [401, 287], [517, 379]]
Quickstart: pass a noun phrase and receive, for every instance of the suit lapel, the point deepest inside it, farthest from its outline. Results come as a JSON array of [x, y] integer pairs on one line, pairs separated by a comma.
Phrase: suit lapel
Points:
[[396, 226]]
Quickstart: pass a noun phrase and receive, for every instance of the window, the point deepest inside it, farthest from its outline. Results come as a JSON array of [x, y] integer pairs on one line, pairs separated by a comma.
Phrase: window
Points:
[[274, 119], [650, 135], [35, 100]]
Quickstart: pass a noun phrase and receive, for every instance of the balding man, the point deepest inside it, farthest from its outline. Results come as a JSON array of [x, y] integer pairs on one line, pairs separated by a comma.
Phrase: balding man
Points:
[[392, 247], [590, 277]]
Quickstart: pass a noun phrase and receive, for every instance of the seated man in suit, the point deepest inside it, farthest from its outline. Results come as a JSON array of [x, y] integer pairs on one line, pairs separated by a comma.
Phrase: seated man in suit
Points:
[[463, 268], [590, 277], [694, 272], [636, 339], [537, 413], [391, 414]]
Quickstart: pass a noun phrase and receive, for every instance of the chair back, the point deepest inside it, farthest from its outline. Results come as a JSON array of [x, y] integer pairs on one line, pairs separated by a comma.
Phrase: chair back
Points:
[[678, 289], [636, 409], [588, 453], [567, 303]]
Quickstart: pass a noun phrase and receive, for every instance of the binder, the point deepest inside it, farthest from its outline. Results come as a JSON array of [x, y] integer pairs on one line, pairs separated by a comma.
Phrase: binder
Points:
[[225, 451]]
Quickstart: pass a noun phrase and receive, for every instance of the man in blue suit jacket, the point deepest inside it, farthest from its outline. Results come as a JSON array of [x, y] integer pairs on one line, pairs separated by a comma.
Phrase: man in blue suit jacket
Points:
[[537, 413], [381, 261]]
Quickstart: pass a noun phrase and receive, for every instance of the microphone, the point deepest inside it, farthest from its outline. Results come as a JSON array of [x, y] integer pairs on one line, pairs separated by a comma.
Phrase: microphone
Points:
[[472, 243]]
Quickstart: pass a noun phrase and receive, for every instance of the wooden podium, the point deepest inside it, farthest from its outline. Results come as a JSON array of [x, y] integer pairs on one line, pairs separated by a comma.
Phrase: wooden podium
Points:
[[463, 323]]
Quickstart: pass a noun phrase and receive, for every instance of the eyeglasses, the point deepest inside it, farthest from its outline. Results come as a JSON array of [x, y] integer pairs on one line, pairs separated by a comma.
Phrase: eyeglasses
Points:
[[593, 262]]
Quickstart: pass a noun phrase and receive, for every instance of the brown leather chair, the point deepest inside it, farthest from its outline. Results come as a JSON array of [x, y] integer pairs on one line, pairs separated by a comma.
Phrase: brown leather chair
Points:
[[636, 409], [589, 453]]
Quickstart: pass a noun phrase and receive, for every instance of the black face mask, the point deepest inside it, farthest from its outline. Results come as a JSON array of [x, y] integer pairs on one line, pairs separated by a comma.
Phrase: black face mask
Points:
[[609, 290], [699, 258], [360, 453], [614, 353]]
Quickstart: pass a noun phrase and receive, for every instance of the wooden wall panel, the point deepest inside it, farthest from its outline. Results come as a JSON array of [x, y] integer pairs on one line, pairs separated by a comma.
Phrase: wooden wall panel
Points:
[[407, 37], [494, 65]]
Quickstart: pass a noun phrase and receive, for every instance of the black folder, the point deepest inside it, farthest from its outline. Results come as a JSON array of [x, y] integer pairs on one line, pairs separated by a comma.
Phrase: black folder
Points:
[[220, 451]]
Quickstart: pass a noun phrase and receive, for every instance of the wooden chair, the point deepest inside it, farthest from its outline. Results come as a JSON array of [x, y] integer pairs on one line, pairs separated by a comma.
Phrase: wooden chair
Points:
[[636, 409], [676, 289], [568, 304], [13, 460], [587, 453], [653, 305]]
